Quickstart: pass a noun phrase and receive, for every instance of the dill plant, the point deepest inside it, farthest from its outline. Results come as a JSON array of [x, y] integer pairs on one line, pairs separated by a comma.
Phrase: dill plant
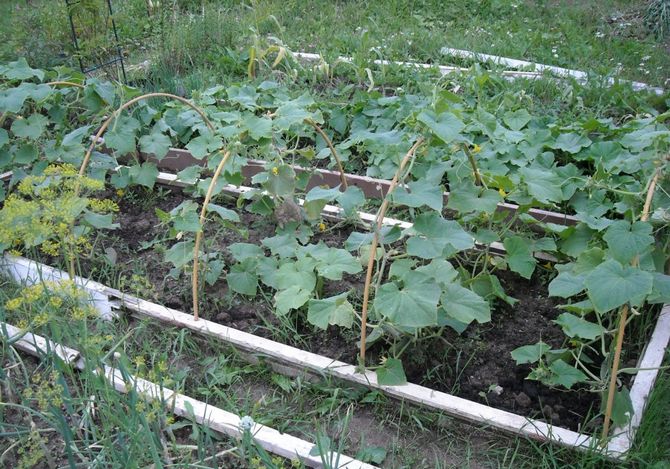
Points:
[[55, 213]]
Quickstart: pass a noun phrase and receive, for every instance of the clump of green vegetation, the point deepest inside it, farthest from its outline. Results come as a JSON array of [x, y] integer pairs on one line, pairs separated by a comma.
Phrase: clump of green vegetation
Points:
[[39, 304], [54, 212], [657, 17]]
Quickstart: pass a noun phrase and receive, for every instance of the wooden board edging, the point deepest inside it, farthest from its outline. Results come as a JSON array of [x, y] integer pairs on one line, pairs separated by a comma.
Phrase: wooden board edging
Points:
[[298, 359], [23, 270], [178, 159], [217, 419], [581, 77], [333, 212], [643, 384]]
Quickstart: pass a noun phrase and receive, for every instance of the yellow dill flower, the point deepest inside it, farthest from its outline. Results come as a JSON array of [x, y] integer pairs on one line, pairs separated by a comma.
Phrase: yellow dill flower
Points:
[[104, 205], [139, 361], [56, 301], [14, 304], [15, 252], [32, 293], [50, 248], [61, 170], [275, 170], [41, 320], [140, 406], [120, 192]]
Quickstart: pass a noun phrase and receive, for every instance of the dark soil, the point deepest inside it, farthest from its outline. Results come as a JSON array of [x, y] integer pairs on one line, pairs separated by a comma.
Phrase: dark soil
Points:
[[476, 365]]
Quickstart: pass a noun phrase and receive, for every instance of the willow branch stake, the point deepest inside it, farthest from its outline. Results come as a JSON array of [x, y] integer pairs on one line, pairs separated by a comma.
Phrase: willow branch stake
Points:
[[623, 316], [473, 163], [332, 150], [65, 83], [375, 241], [114, 116], [118, 112], [198, 235]]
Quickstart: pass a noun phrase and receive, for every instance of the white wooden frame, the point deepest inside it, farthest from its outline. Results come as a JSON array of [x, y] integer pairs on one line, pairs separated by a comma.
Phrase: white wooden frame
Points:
[[581, 77], [217, 419], [291, 360]]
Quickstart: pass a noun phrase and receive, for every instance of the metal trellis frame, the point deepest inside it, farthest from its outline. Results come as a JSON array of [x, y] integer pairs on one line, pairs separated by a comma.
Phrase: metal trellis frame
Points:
[[118, 59]]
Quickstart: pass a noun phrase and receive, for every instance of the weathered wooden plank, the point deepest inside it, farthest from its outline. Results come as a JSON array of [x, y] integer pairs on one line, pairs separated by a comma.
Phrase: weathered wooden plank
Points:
[[228, 423], [317, 364], [480, 414], [643, 383], [580, 76], [177, 160], [28, 272], [335, 213], [37, 345]]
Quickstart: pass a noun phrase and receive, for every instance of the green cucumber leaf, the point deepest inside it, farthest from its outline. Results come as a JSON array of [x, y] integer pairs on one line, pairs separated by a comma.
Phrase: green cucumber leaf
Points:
[[391, 373], [574, 326], [611, 285], [529, 353], [335, 310]]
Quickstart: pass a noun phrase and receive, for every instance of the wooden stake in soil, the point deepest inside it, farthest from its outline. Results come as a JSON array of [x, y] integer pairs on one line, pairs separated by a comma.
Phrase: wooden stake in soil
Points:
[[332, 150], [623, 316], [375, 241], [198, 235], [116, 114]]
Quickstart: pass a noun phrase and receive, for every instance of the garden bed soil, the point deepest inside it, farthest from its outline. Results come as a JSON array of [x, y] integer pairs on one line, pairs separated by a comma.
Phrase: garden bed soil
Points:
[[476, 365]]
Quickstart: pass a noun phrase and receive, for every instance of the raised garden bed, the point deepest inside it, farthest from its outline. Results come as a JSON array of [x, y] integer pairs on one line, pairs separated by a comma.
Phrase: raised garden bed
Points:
[[140, 226], [294, 361]]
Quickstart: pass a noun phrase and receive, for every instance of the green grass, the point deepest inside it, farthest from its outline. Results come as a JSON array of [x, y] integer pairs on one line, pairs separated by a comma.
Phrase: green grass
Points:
[[202, 44], [601, 36]]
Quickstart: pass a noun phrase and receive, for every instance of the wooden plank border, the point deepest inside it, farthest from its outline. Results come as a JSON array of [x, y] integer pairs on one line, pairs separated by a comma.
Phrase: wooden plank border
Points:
[[538, 72], [177, 160], [649, 363], [581, 77], [217, 419], [473, 412]]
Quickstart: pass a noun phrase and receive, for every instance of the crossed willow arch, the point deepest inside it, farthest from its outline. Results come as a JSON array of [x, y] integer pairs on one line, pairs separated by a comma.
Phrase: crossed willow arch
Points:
[[210, 191]]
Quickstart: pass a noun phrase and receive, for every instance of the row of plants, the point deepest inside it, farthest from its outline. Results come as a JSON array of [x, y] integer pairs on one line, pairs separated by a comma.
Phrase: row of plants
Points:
[[418, 280]]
